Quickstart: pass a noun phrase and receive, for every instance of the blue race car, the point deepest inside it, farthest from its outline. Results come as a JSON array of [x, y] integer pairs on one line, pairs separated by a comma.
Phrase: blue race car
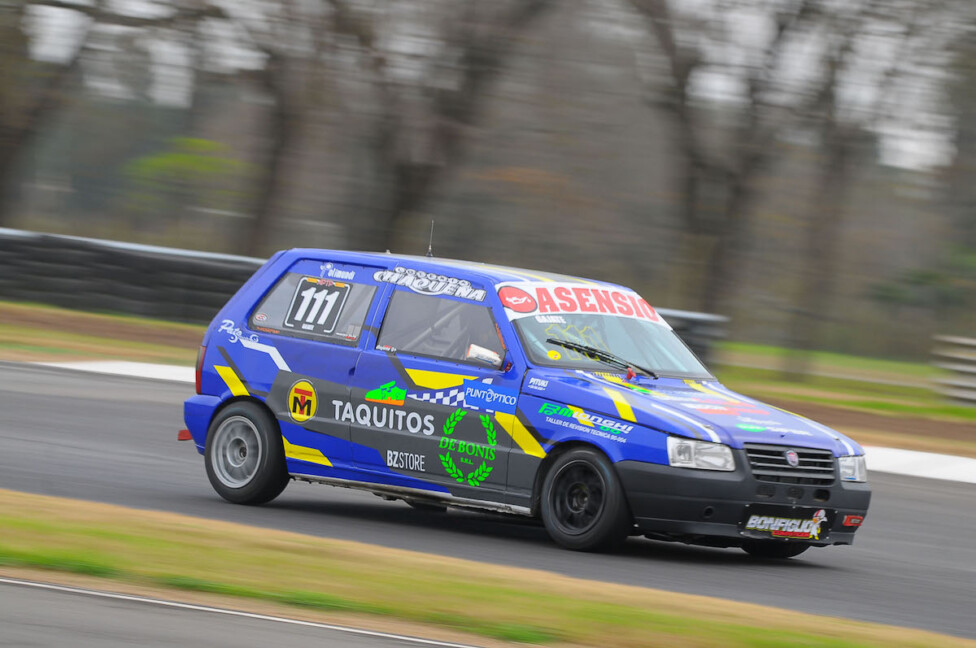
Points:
[[450, 383]]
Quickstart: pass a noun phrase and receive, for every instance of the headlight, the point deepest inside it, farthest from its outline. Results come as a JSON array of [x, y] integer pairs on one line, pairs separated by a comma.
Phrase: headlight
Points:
[[853, 469], [688, 453]]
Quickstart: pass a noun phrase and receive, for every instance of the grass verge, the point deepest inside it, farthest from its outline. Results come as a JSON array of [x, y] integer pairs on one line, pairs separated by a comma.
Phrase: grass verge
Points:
[[913, 398], [825, 362], [32, 332], [172, 552]]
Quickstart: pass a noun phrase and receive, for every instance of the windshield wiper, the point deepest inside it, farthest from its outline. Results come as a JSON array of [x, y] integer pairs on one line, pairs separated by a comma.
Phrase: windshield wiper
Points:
[[603, 356]]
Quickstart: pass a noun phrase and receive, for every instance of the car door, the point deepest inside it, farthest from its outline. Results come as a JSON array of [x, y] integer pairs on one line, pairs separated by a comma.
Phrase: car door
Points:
[[312, 324], [429, 392]]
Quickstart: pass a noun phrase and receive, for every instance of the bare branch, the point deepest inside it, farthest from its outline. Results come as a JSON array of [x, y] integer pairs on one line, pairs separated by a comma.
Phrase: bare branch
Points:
[[101, 15]]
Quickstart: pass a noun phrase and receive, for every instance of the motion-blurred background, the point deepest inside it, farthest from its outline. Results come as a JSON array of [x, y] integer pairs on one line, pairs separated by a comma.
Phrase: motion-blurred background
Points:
[[807, 167]]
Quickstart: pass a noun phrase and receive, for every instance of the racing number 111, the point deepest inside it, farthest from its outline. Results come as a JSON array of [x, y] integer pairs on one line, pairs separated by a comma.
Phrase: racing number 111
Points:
[[315, 308]]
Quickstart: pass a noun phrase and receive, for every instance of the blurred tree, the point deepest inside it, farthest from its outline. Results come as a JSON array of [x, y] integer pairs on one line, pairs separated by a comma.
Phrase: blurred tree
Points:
[[842, 131], [961, 187], [290, 35], [424, 96], [189, 172], [717, 174], [33, 88], [817, 70]]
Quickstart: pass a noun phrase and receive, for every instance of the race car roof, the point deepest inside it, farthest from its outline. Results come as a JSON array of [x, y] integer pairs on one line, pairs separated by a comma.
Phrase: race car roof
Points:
[[484, 272]]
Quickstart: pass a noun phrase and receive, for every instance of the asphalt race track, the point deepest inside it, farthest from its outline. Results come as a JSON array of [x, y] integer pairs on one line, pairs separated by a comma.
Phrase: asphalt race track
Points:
[[35, 617], [114, 440]]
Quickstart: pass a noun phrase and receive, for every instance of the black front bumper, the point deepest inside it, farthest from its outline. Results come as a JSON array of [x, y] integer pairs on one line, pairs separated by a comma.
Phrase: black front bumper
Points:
[[710, 507]]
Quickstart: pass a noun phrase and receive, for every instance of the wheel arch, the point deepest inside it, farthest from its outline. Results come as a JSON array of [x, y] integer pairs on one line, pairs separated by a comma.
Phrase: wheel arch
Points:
[[557, 451], [242, 399]]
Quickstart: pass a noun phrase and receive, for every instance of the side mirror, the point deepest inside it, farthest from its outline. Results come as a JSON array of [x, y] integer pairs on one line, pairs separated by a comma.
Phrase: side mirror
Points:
[[483, 355]]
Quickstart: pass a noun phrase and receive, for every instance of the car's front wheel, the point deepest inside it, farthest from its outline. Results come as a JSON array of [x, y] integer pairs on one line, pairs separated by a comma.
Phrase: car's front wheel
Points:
[[244, 455], [583, 505], [773, 549]]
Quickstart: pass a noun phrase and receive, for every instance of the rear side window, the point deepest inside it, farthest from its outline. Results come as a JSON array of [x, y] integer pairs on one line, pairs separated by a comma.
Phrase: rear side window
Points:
[[311, 307], [437, 327]]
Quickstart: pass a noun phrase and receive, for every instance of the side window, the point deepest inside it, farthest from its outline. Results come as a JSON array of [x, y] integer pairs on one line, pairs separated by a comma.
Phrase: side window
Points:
[[310, 307], [437, 327]]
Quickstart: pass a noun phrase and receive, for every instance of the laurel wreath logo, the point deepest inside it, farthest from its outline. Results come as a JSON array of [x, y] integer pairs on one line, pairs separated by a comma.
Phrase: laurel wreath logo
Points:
[[481, 473]]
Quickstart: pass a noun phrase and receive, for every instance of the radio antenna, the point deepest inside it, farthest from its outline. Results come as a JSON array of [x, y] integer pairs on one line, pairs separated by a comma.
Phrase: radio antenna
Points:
[[430, 242]]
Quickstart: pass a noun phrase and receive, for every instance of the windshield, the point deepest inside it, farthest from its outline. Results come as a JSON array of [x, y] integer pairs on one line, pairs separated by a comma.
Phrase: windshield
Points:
[[618, 323]]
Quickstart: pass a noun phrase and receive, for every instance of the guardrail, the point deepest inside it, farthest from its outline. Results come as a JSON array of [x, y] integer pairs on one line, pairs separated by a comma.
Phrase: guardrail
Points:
[[956, 355], [97, 275], [174, 284]]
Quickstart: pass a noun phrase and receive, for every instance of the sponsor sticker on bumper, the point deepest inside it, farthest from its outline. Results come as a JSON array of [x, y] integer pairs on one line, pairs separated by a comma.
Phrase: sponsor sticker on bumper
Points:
[[787, 522]]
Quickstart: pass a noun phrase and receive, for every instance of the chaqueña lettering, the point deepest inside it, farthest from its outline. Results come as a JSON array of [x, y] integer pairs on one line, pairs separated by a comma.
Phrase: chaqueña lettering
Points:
[[429, 283]]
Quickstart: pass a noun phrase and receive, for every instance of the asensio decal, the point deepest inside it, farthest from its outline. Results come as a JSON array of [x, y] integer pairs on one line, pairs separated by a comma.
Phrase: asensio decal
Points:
[[430, 283], [468, 452], [542, 298], [302, 401], [517, 299]]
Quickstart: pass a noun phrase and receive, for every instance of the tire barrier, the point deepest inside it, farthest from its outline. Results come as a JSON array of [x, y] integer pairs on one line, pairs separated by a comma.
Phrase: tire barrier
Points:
[[957, 355]]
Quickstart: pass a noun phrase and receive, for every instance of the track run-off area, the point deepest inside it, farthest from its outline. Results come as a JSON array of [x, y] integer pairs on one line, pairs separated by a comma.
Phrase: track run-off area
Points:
[[113, 439]]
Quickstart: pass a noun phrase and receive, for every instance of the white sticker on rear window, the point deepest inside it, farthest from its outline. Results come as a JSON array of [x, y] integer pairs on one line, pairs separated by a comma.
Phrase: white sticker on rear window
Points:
[[316, 305]]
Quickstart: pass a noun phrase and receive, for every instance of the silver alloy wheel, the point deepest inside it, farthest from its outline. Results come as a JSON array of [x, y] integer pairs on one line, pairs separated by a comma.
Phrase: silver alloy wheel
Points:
[[236, 451]]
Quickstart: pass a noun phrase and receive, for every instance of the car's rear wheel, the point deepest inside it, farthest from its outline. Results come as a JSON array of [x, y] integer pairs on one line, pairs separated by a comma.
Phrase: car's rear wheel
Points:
[[583, 505], [773, 549], [244, 455]]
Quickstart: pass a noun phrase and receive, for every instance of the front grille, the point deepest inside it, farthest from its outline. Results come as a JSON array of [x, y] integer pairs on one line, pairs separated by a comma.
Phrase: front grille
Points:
[[768, 463]]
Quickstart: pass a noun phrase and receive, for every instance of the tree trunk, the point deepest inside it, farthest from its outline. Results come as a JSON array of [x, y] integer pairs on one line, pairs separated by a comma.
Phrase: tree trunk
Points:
[[820, 253], [7, 191], [282, 128], [721, 270]]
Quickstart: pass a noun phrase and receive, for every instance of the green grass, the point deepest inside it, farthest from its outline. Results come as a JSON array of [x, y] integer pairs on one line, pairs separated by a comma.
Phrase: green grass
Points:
[[137, 320], [914, 396], [829, 362], [171, 552]]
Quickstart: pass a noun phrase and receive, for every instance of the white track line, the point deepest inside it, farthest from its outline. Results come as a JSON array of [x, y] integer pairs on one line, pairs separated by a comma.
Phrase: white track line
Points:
[[129, 369], [921, 464], [237, 613]]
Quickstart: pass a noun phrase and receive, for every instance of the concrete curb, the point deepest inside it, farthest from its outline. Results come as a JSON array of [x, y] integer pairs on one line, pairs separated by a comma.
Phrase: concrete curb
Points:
[[883, 460]]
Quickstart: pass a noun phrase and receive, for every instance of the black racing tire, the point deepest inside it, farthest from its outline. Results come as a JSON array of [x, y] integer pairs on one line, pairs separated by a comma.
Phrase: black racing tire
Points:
[[582, 503], [773, 549], [245, 457], [428, 507]]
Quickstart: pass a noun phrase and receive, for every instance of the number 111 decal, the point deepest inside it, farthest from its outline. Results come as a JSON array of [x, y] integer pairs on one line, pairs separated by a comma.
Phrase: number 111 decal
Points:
[[316, 305]]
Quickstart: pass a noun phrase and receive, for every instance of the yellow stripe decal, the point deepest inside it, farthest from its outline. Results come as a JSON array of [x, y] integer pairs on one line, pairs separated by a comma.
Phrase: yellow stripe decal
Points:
[[624, 409], [234, 383], [711, 392], [522, 437], [436, 379], [311, 455], [583, 419]]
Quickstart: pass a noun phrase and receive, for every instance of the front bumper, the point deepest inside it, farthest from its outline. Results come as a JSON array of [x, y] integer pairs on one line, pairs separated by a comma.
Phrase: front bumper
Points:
[[710, 507]]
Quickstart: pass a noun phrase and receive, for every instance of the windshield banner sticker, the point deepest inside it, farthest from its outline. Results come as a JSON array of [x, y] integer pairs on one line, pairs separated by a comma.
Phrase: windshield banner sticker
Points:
[[430, 283], [549, 298]]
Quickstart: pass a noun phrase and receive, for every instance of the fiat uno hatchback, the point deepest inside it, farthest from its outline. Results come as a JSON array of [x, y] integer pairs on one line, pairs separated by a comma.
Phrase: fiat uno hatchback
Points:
[[449, 383]]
